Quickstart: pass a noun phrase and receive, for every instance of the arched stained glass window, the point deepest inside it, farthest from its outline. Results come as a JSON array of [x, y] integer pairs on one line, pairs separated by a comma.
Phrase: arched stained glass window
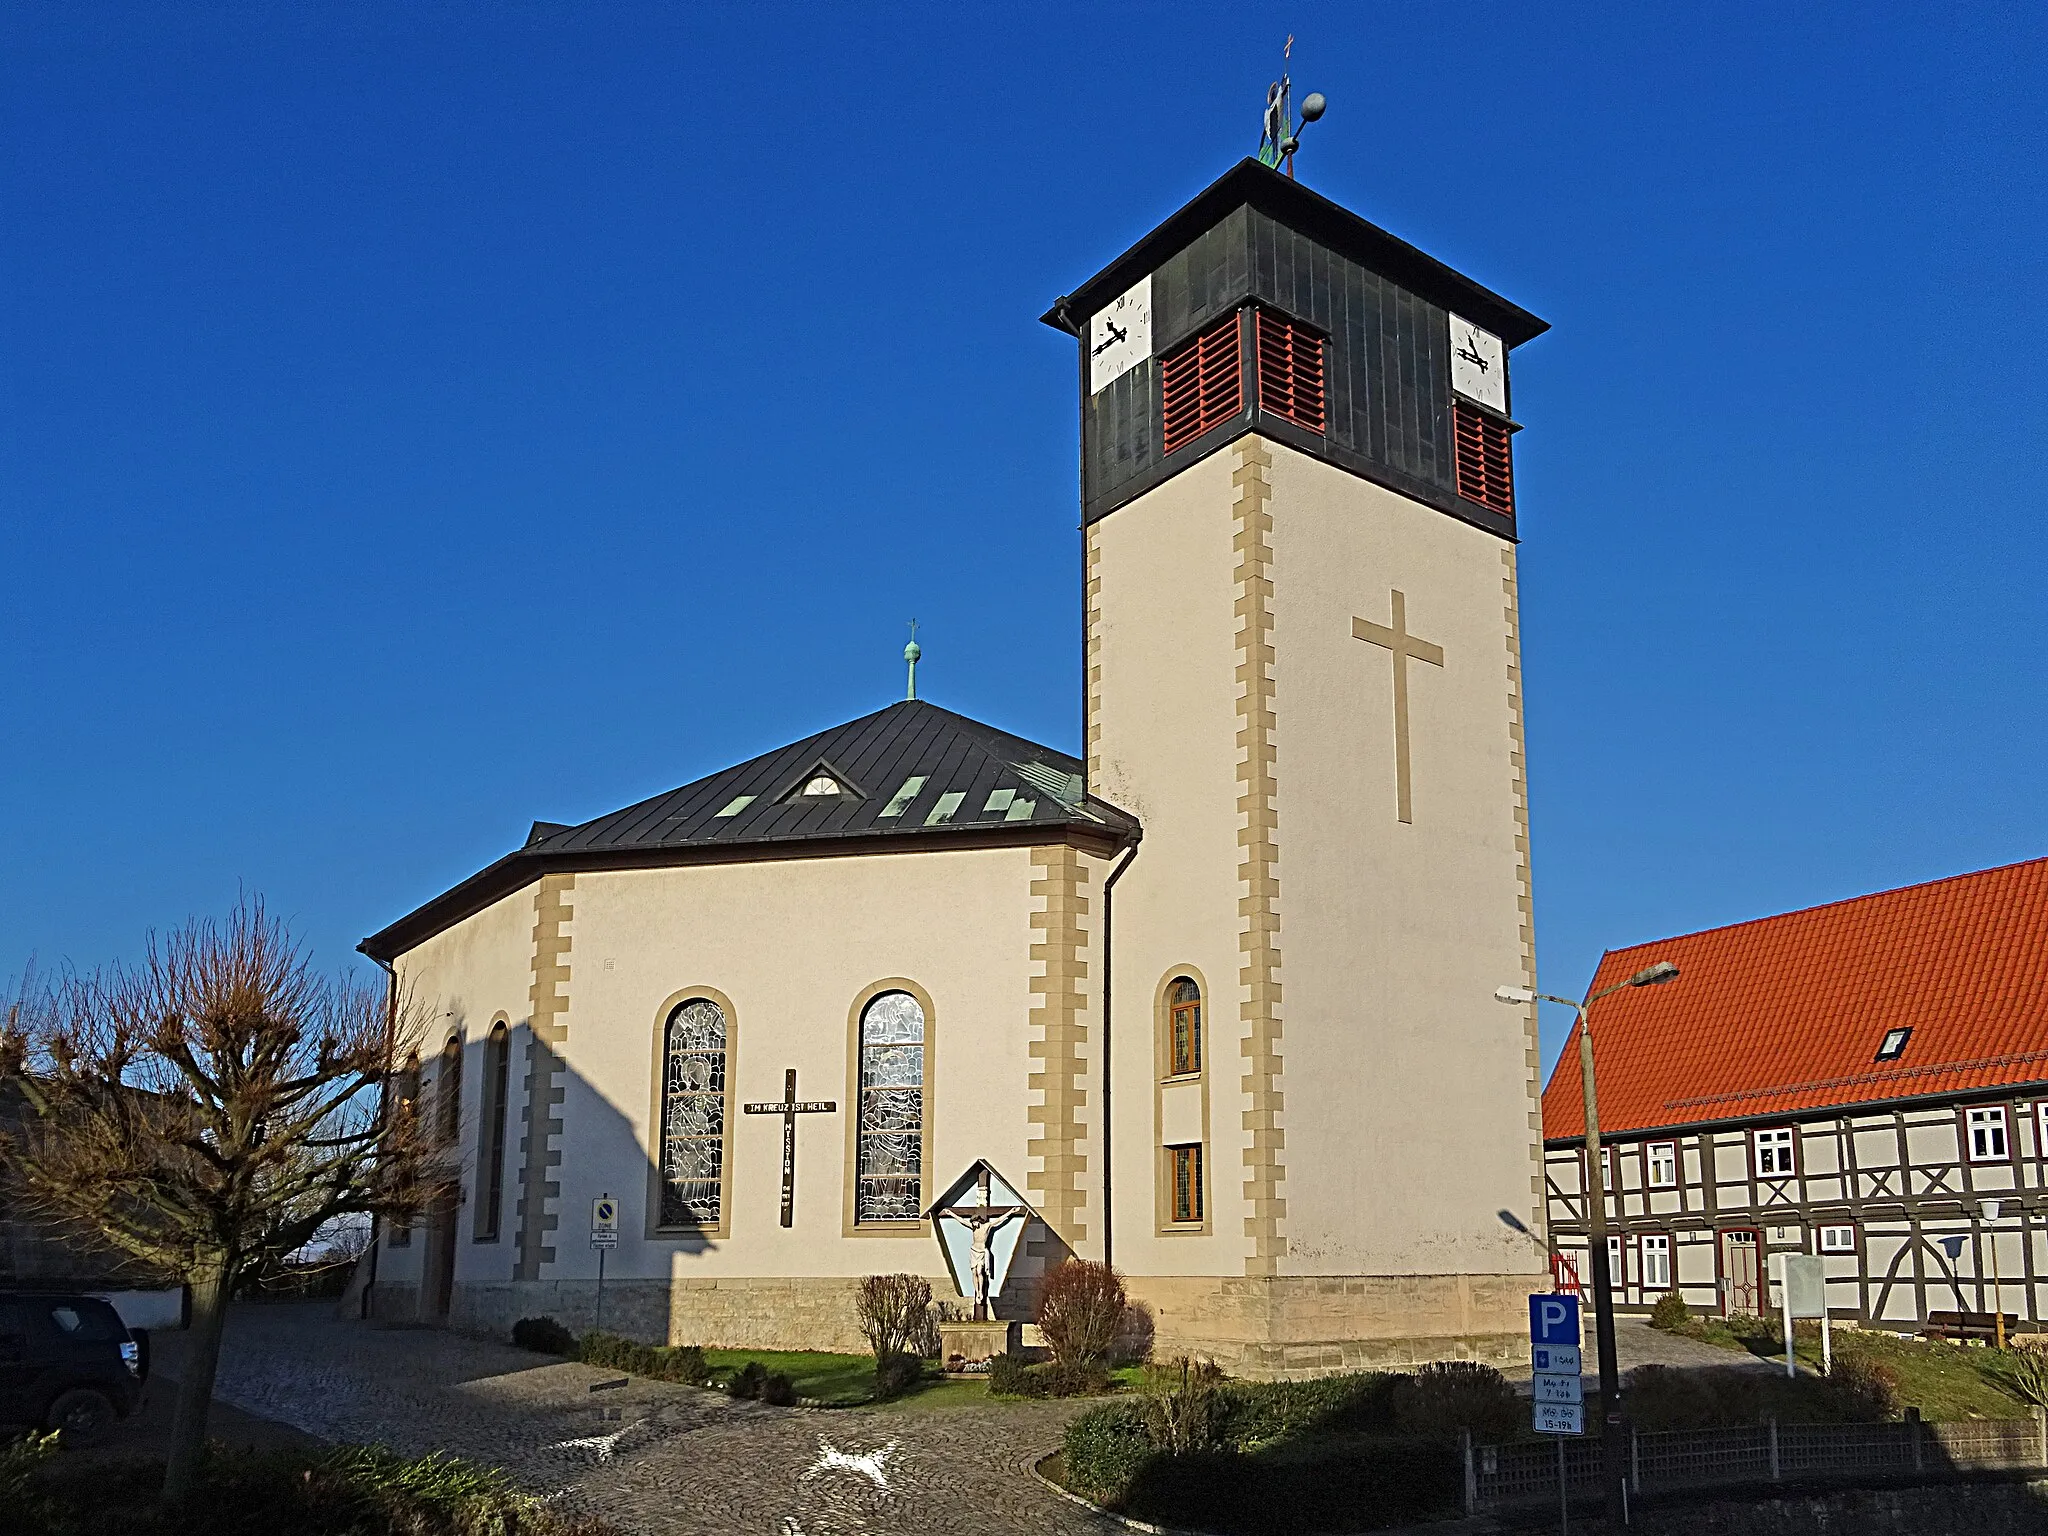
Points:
[[406, 1112], [1184, 1000], [889, 1177], [448, 1091], [490, 1133], [693, 1115]]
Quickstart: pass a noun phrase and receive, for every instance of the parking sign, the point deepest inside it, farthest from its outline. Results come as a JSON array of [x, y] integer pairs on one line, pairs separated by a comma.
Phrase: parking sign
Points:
[[1554, 1320]]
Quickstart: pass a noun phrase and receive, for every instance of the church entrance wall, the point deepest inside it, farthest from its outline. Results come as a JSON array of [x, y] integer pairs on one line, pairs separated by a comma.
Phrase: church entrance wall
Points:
[[756, 1313]]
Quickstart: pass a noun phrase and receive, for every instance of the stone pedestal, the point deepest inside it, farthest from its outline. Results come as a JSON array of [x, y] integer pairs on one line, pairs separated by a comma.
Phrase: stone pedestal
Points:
[[970, 1346]]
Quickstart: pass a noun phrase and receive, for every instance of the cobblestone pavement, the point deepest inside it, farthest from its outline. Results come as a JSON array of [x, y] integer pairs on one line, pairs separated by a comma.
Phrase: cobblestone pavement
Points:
[[1637, 1343], [650, 1457]]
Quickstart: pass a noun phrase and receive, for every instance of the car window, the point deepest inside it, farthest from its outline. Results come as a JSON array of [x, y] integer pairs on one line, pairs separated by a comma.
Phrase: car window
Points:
[[92, 1322]]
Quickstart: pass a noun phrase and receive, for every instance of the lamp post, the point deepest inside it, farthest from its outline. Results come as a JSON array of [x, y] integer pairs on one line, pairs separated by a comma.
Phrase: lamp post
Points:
[[1613, 1453], [1990, 1209]]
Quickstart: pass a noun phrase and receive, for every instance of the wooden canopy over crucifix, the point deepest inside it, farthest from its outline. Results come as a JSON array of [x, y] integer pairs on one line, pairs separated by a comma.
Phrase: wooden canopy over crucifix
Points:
[[1404, 646]]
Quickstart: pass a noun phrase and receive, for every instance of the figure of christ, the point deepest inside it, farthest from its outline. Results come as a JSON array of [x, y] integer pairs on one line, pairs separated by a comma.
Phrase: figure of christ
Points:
[[981, 1226]]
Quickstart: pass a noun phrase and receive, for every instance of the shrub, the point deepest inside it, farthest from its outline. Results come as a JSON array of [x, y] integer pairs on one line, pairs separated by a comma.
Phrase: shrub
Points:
[[748, 1380], [1670, 1315], [897, 1374], [1015, 1376], [1342, 1485], [1866, 1391], [778, 1389], [1104, 1449], [1081, 1307], [895, 1313], [1255, 1413], [1449, 1395], [2025, 1372], [682, 1362], [1181, 1405], [544, 1336]]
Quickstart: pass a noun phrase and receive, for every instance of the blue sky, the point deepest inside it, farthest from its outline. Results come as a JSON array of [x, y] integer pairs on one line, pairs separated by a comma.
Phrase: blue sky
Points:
[[416, 419]]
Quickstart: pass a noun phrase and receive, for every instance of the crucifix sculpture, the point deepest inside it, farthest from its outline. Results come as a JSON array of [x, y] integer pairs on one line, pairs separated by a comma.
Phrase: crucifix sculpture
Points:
[[1404, 646], [789, 1109], [981, 1222]]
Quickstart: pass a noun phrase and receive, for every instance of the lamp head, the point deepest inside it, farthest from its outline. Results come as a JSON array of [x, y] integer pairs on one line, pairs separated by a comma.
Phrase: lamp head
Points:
[[1518, 995], [1656, 975], [1312, 106]]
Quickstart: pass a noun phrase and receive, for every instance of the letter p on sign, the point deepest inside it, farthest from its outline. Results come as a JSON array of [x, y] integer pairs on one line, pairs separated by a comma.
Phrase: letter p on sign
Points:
[[1554, 1320]]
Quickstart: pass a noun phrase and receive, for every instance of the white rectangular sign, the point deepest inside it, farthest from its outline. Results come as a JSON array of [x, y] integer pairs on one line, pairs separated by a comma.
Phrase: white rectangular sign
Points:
[[1555, 1359], [1559, 1389], [604, 1239], [1560, 1419], [1120, 336]]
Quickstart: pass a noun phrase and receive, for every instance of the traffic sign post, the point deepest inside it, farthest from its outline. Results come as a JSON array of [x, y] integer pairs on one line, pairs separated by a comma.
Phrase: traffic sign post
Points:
[[604, 1237], [1559, 1391]]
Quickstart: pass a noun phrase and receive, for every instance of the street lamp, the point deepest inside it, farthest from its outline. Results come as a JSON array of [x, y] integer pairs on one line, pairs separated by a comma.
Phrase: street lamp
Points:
[[1613, 1455], [1990, 1209]]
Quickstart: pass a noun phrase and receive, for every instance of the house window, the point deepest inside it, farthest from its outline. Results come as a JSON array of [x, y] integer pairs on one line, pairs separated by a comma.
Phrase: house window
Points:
[[1837, 1239], [1614, 1265], [1484, 462], [1201, 384], [1774, 1153], [821, 784], [1656, 1251], [1186, 1173], [1987, 1134], [889, 1171], [490, 1133], [693, 1115], [1290, 369], [1606, 1170], [1893, 1046], [1663, 1164], [1184, 1000]]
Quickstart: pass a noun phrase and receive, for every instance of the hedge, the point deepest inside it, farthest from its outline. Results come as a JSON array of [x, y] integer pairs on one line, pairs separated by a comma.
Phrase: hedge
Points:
[[681, 1362]]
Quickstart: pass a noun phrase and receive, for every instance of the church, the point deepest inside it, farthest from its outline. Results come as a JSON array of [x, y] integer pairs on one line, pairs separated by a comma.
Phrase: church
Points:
[[1212, 1001]]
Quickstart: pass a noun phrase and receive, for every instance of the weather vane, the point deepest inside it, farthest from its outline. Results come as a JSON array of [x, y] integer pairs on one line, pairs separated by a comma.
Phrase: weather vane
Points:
[[910, 654], [1281, 135]]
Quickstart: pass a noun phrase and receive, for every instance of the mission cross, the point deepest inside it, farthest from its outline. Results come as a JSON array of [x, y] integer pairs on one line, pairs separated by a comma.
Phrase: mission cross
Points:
[[789, 1109], [1406, 648]]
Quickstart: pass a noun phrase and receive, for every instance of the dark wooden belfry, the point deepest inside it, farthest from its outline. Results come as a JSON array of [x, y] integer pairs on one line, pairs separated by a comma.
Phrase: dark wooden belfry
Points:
[[1273, 310]]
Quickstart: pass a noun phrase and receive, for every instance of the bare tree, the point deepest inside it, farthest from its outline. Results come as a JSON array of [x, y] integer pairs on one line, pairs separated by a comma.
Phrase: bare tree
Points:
[[209, 1110]]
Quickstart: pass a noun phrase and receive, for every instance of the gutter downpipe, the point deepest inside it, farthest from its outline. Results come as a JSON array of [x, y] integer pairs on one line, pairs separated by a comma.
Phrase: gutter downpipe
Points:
[[390, 1013], [1108, 950]]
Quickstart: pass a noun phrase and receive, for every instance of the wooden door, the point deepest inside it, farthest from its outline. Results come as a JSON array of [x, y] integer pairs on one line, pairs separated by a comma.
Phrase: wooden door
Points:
[[1741, 1273]]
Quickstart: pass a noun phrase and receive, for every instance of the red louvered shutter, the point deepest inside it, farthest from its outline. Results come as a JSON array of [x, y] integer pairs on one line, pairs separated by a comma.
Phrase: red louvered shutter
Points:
[[1290, 371], [1202, 383], [1485, 462]]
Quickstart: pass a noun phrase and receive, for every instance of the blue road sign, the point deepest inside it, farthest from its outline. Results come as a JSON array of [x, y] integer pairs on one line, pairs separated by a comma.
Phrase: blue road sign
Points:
[[1554, 1319]]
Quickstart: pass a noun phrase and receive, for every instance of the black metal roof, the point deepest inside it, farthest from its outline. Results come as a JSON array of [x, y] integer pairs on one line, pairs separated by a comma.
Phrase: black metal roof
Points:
[[1260, 186], [911, 775]]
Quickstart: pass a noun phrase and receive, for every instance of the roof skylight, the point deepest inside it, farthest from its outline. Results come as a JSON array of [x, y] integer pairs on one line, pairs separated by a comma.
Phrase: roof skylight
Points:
[[949, 803], [736, 804], [1894, 1045], [900, 801]]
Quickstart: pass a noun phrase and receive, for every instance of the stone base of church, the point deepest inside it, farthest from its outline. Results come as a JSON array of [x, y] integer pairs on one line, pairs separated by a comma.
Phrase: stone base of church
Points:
[[1292, 1327], [780, 1313]]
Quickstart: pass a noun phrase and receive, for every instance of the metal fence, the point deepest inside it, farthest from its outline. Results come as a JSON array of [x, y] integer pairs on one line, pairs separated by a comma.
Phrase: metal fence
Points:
[[1665, 1461]]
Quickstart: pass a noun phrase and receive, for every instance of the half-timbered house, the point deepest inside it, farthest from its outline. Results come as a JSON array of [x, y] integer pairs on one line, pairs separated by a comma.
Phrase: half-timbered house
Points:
[[1866, 1080]]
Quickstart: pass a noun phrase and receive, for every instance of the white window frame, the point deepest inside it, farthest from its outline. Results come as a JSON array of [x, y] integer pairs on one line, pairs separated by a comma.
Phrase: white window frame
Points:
[[1990, 1141], [2041, 1129], [1837, 1237], [1655, 1249], [1667, 1176], [1617, 1260], [1781, 1144]]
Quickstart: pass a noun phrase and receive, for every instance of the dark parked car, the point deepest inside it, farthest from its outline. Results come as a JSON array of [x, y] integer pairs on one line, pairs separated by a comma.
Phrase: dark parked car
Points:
[[67, 1363]]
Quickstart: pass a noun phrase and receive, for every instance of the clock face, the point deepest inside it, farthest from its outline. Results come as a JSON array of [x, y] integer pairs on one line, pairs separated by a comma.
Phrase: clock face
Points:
[[1479, 364], [1120, 336]]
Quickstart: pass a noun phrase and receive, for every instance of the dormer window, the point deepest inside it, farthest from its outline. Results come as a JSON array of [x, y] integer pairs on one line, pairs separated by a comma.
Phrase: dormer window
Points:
[[1893, 1045], [822, 784]]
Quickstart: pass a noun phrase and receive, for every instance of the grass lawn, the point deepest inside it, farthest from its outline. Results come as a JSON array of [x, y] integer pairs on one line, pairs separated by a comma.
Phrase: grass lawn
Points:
[[1944, 1381], [837, 1380]]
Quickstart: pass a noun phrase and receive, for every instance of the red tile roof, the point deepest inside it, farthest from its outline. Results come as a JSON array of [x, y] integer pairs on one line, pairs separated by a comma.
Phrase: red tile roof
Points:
[[1784, 1015]]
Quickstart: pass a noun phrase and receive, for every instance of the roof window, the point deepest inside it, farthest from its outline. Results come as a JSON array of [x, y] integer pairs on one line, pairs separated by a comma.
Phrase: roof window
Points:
[[736, 804], [1894, 1043], [905, 793], [943, 812]]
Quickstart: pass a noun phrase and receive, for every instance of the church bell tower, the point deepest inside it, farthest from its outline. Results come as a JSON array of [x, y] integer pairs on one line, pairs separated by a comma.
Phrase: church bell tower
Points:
[[1303, 675]]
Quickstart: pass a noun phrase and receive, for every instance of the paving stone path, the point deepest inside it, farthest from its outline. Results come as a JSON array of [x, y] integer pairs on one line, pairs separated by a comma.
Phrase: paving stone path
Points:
[[651, 1458]]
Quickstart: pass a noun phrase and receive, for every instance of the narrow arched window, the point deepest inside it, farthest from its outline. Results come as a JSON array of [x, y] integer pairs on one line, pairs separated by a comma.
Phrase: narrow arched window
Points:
[[889, 1173], [448, 1092], [1184, 1002], [693, 1115], [404, 1109], [490, 1133]]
